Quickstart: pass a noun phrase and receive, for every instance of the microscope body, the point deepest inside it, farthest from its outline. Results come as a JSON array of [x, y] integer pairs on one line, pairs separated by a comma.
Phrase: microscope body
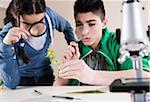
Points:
[[133, 36], [134, 39]]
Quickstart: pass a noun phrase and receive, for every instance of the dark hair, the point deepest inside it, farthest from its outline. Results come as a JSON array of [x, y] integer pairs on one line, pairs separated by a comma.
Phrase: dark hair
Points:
[[21, 7], [95, 6]]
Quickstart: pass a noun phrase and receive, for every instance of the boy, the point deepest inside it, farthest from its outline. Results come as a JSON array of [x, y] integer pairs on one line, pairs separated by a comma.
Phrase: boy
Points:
[[94, 60]]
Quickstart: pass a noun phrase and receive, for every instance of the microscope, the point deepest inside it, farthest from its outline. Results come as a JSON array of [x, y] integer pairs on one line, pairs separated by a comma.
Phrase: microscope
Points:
[[134, 44]]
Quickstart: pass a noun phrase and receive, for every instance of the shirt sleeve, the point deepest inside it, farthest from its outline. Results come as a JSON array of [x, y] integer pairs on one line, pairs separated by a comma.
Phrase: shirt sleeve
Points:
[[9, 72]]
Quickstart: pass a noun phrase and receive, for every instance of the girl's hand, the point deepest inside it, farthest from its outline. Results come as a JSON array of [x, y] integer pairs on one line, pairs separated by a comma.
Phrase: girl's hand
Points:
[[14, 35]]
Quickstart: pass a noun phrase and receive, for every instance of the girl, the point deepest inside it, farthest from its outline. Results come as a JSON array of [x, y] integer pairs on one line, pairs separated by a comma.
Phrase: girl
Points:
[[24, 41]]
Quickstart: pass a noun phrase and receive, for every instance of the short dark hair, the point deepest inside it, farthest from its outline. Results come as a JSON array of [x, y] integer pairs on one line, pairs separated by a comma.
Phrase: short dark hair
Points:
[[95, 6]]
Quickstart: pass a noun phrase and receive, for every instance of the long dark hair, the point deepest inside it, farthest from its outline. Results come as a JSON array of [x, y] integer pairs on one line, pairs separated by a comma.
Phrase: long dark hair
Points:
[[21, 7]]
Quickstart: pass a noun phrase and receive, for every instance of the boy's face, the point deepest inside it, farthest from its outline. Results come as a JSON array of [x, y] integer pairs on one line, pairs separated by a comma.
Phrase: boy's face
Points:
[[89, 27]]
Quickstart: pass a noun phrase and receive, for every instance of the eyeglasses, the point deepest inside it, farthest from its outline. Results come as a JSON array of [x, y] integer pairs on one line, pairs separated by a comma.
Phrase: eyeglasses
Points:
[[37, 28]]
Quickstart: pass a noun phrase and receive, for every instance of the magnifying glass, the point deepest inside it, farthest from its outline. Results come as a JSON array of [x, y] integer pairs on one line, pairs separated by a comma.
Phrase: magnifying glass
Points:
[[37, 29]]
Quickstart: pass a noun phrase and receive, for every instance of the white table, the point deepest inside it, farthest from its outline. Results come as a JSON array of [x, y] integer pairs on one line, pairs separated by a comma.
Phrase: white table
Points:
[[27, 94]]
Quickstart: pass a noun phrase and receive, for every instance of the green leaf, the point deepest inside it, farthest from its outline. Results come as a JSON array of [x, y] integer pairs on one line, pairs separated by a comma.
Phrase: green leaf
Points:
[[87, 92]]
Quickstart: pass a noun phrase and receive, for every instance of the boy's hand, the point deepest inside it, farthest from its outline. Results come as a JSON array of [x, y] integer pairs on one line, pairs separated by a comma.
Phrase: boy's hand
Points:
[[77, 69], [71, 53]]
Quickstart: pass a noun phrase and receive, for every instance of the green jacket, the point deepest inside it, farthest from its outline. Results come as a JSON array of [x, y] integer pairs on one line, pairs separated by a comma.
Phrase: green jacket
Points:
[[109, 49]]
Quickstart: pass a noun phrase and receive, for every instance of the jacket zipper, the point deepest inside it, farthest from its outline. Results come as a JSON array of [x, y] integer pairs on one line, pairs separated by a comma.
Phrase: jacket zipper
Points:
[[106, 57]]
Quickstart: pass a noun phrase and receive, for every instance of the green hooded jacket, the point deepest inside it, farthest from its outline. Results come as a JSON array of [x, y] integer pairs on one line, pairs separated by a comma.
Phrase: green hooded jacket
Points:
[[109, 49]]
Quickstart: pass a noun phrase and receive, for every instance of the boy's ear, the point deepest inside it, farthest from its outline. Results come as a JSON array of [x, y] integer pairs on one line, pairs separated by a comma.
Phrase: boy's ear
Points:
[[105, 21]]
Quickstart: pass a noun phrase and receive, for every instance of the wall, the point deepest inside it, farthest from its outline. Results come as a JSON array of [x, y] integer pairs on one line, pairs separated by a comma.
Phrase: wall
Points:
[[2, 15]]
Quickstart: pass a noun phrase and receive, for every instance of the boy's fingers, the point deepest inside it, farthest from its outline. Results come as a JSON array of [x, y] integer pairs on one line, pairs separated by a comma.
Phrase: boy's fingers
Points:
[[68, 74], [76, 48], [69, 69], [74, 44], [71, 48], [69, 63], [67, 54]]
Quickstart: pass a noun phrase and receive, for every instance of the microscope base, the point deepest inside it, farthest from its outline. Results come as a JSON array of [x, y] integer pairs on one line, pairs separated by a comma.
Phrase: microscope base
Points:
[[128, 85], [137, 88]]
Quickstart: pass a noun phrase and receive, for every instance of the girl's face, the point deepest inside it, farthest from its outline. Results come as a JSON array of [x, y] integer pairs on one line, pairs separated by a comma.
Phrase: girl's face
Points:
[[89, 27], [28, 21]]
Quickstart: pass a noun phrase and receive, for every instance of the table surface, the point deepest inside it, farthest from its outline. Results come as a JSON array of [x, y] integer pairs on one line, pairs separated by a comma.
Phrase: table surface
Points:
[[27, 94]]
